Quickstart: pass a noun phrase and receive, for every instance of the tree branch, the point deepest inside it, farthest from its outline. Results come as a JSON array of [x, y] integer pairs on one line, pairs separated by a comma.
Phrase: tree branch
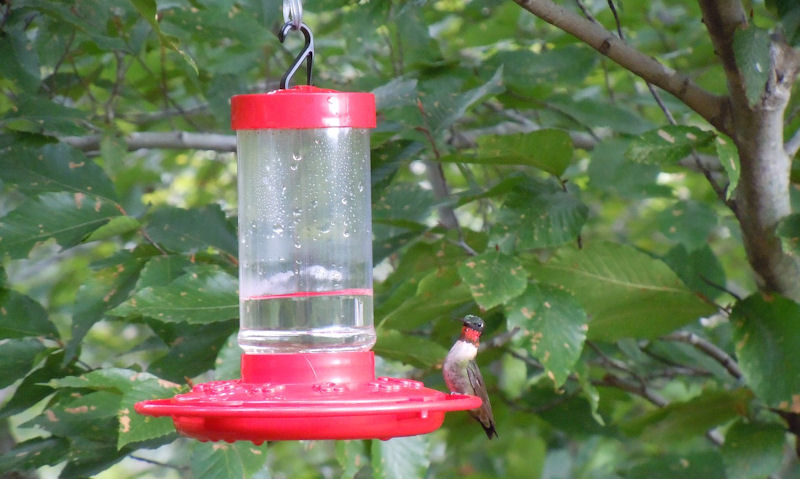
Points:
[[711, 107], [722, 18], [709, 349], [171, 140]]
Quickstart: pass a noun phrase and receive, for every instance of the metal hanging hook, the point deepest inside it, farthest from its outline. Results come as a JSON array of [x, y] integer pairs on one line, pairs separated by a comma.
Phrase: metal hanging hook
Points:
[[306, 54], [293, 12]]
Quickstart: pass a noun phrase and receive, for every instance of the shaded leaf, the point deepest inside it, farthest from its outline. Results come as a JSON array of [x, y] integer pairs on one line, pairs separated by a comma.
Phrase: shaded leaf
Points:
[[21, 316], [193, 229], [493, 278], [437, 295], [53, 168], [766, 329], [68, 218], [414, 350], [34, 453], [444, 107], [680, 421], [751, 47], [193, 349], [19, 356], [400, 457], [707, 465], [668, 145], [221, 460], [688, 222], [752, 450], [700, 269], [34, 114], [625, 292], [728, 155], [553, 328]]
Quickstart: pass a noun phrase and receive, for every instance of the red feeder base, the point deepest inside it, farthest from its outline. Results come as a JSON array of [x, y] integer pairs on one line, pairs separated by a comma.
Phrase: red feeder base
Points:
[[308, 396]]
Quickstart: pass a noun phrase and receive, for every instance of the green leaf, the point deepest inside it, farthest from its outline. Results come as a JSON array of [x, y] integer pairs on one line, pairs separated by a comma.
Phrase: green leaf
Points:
[[204, 295], [539, 214], [789, 232], [751, 47], [115, 227], [609, 170], [162, 270], [414, 350], [193, 348], [668, 145], [766, 329], [90, 414], [351, 457], [524, 69], [53, 168], [400, 457], [221, 460], [194, 229], [32, 454], [148, 10], [32, 389], [135, 428], [707, 465], [598, 113], [680, 421], [103, 290], [728, 155], [553, 328], [689, 223], [698, 269], [493, 278], [625, 292], [444, 107], [437, 295], [752, 450], [19, 356], [21, 316], [68, 218], [549, 150], [35, 114]]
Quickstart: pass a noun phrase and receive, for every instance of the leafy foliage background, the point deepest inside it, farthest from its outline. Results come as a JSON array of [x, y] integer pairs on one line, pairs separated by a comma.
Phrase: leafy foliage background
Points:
[[516, 174]]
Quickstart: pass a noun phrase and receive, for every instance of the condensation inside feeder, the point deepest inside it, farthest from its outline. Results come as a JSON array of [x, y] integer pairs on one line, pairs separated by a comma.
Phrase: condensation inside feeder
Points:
[[305, 240]]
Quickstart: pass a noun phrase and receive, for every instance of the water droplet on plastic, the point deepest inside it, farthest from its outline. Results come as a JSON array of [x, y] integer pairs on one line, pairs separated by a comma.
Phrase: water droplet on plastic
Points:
[[298, 246], [326, 228], [297, 212], [296, 157], [344, 201], [360, 187], [277, 229], [346, 234], [314, 203]]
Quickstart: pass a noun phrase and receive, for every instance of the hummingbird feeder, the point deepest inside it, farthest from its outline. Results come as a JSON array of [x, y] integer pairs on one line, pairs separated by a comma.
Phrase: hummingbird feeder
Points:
[[305, 281]]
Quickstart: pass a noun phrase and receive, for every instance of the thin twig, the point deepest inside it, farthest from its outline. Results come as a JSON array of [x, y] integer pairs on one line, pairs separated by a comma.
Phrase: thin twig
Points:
[[635, 388], [157, 463], [499, 340], [709, 349]]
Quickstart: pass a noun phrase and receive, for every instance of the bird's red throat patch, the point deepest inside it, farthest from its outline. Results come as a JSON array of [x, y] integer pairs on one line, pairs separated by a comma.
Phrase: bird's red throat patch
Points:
[[471, 335]]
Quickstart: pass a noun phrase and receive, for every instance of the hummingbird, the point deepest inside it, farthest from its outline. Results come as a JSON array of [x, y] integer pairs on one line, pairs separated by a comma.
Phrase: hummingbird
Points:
[[461, 373]]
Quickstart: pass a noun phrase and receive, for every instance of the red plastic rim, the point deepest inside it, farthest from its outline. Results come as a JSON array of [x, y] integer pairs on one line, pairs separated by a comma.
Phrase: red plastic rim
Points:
[[302, 107], [308, 396]]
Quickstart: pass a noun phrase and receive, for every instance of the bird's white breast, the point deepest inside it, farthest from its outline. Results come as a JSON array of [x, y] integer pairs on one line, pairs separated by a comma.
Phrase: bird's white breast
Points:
[[462, 351]]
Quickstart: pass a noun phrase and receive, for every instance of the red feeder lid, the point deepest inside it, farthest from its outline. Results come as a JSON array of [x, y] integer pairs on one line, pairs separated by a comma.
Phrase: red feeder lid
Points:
[[308, 396], [302, 106]]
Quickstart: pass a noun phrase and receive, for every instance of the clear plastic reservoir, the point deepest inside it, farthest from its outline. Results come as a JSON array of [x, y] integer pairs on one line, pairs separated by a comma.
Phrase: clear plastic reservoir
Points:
[[305, 240]]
